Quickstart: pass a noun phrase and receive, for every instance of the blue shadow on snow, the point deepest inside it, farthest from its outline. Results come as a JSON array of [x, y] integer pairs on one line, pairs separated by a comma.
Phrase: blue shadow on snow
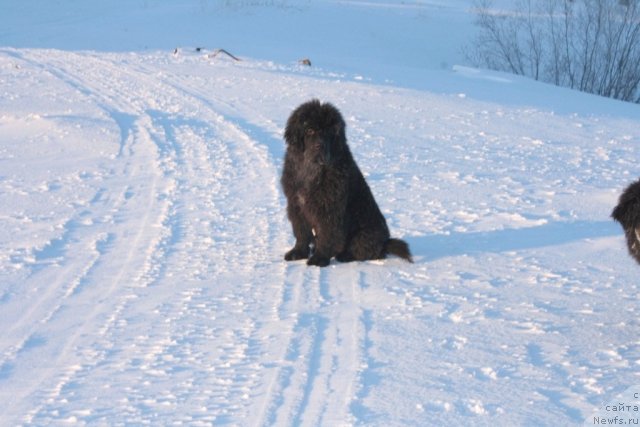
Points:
[[551, 234]]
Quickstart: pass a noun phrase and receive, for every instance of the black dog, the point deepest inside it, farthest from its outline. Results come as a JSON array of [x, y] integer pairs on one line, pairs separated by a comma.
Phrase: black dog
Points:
[[329, 204], [627, 213]]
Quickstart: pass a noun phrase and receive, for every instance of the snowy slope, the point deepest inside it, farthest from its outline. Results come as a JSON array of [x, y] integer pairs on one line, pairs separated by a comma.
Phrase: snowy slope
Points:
[[142, 230]]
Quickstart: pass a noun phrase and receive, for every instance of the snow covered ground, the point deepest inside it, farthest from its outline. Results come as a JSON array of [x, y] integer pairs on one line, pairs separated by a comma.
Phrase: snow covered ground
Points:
[[142, 225]]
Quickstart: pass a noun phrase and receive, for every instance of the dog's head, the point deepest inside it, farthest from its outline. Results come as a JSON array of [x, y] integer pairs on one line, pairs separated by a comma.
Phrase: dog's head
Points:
[[627, 212], [318, 131]]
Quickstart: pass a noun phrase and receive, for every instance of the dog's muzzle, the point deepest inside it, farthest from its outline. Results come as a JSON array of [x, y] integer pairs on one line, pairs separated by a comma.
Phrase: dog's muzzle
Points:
[[323, 150]]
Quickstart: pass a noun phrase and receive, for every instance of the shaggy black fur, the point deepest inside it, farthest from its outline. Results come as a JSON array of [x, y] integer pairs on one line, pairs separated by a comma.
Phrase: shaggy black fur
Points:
[[329, 204], [627, 213]]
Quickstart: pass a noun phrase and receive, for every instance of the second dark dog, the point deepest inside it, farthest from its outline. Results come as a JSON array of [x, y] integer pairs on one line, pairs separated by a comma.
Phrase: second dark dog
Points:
[[627, 213]]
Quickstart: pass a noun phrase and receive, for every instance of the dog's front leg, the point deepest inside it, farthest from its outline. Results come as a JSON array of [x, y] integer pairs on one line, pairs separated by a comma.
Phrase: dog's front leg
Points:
[[327, 211], [301, 231]]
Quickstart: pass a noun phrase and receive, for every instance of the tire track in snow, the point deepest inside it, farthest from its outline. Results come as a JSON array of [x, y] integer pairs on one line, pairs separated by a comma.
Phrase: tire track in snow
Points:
[[317, 378], [316, 382], [237, 168], [137, 234], [289, 291], [83, 251]]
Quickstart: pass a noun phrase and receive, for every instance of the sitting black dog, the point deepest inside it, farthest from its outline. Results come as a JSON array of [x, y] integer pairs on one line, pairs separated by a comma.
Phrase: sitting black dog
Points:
[[329, 204], [627, 213]]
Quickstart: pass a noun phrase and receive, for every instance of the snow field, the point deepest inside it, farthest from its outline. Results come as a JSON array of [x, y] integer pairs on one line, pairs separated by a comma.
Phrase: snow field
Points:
[[143, 230]]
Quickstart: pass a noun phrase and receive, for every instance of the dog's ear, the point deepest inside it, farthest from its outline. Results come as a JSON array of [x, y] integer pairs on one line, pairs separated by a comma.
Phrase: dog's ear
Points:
[[338, 140], [296, 124], [294, 131], [340, 131]]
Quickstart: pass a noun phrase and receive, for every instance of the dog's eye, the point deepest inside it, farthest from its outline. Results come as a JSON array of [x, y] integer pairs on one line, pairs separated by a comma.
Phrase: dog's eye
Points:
[[310, 132]]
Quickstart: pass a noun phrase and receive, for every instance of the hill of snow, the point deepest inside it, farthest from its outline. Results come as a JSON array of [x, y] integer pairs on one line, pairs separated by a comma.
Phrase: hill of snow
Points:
[[143, 228]]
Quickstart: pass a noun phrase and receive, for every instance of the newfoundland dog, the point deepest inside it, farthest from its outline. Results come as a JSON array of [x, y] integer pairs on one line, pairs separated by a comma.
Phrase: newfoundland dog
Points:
[[329, 204], [627, 213]]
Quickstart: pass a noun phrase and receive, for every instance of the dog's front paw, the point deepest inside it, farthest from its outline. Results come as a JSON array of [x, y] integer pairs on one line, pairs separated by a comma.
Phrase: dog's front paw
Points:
[[319, 260], [296, 254]]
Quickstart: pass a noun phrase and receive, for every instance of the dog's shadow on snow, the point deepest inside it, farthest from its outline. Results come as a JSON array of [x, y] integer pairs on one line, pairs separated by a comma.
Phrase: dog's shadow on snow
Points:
[[434, 247]]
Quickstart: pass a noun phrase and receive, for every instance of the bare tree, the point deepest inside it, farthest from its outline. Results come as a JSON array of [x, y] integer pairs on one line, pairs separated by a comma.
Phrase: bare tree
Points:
[[589, 45]]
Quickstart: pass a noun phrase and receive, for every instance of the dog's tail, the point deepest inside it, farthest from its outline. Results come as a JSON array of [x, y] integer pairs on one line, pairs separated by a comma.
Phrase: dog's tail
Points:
[[627, 213], [399, 248]]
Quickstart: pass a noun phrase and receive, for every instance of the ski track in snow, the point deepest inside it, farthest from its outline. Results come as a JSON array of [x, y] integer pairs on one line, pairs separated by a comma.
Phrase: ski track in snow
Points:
[[145, 284]]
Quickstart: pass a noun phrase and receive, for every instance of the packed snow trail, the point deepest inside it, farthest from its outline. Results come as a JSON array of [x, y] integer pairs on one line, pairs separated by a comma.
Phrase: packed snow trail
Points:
[[161, 219], [142, 278], [186, 200]]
